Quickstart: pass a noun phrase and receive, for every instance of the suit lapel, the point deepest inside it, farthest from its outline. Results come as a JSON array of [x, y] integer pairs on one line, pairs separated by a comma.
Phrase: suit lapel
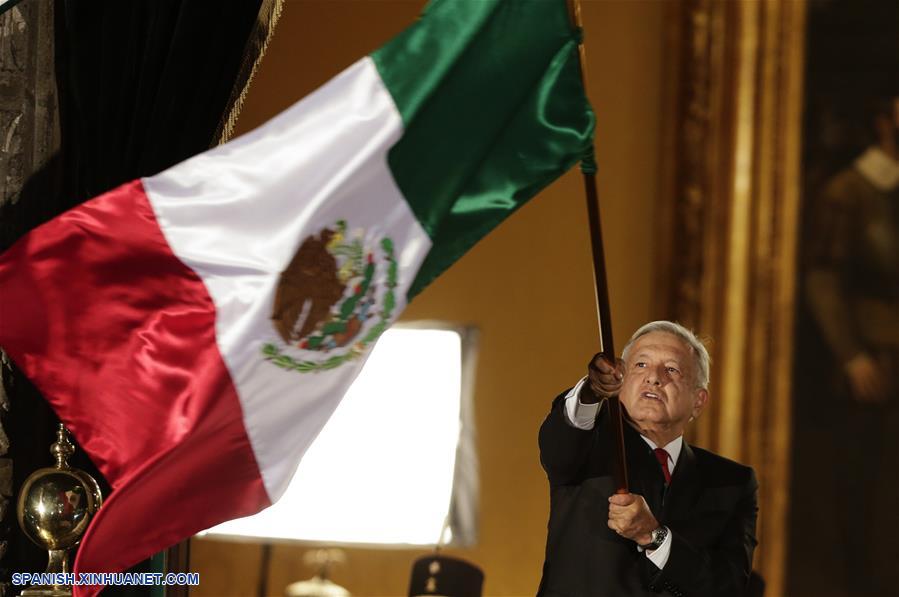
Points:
[[645, 474], [685, 486]]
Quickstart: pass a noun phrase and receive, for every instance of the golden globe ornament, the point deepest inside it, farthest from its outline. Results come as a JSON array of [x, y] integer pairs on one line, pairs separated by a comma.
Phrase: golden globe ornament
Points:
[[55, 506]]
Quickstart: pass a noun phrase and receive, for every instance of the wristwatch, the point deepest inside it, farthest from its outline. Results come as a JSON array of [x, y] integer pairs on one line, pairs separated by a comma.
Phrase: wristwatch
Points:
[[657, 537]]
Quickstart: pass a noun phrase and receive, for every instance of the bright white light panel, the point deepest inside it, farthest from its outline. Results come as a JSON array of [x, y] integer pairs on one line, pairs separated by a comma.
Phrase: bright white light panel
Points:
[[381, 471]]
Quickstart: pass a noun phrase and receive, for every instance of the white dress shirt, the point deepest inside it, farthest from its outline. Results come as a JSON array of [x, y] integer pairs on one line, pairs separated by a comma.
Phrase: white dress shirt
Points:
[[583, 416]]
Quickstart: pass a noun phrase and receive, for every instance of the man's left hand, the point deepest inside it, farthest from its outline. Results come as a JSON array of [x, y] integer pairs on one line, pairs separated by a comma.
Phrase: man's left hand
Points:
[[630, 517]]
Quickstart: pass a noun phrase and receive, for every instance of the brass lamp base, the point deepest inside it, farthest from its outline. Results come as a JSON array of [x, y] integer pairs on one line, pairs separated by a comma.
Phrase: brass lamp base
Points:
[[55, 507], [47, 591]]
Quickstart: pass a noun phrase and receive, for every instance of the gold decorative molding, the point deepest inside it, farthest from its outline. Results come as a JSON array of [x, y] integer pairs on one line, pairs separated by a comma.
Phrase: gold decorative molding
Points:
[[729, 227], [29, 134]]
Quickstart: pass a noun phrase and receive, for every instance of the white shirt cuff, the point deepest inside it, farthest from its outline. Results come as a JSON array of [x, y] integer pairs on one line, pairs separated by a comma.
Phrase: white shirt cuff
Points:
[[659, 556], [582, 416]]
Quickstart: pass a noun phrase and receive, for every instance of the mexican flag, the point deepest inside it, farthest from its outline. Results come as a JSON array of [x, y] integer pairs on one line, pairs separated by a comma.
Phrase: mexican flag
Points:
[[196, 329]]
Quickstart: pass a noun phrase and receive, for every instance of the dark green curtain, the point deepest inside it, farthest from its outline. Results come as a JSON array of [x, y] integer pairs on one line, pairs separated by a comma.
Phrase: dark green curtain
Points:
[[142, 85]]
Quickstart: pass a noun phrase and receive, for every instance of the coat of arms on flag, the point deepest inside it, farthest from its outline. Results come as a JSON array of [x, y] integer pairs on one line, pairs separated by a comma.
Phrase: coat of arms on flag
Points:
[[334, 299]]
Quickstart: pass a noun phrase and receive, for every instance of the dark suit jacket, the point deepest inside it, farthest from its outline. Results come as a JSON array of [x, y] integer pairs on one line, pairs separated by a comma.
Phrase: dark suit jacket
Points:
[[710, 508]]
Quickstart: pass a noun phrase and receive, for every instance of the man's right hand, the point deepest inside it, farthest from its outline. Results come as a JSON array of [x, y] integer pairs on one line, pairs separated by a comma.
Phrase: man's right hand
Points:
[[603, 379]]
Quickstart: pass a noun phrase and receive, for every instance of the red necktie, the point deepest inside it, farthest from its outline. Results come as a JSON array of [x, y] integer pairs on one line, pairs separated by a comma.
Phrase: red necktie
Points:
[[662, 457]]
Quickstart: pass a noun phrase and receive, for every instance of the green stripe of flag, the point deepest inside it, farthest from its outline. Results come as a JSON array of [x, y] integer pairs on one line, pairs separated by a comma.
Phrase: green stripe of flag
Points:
[[494, 110]]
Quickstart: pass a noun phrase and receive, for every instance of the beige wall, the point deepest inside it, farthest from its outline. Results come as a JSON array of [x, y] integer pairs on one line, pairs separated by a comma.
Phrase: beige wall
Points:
[[527, 286]]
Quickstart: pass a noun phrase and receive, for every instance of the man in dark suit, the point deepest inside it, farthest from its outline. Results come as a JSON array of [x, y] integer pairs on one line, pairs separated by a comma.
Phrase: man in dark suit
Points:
[[688, 525]]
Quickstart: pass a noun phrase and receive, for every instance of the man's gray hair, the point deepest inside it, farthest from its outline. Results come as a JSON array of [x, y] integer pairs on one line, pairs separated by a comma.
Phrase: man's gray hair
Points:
[[675, 329]]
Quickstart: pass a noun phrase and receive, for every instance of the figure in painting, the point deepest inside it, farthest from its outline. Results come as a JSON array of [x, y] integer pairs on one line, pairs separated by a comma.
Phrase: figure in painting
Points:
[[851, 284]]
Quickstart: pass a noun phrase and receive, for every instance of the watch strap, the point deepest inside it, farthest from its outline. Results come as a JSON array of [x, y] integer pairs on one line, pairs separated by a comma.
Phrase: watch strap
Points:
[[658, 537]]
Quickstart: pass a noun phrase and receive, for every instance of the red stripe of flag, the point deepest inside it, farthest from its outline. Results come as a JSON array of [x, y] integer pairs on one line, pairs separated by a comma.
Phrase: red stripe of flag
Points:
[[119, 335]]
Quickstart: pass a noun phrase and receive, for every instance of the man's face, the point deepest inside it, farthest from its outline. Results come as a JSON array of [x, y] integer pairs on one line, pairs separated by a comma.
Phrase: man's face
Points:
[[659, 388]]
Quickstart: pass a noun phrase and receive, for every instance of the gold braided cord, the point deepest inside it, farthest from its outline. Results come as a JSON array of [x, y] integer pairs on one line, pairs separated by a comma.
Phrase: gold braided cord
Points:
[[269, 14]]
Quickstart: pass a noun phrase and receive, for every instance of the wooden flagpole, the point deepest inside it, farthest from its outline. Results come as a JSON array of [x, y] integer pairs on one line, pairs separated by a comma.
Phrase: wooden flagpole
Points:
[[588, 169]]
